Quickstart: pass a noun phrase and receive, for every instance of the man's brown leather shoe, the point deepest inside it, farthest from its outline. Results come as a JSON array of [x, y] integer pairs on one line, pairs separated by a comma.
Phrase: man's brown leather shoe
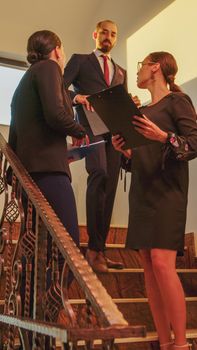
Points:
[[96, 260], [113, 264]]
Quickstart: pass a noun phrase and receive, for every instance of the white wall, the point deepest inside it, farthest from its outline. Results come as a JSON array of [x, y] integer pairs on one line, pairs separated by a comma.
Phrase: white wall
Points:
[[173, 30]]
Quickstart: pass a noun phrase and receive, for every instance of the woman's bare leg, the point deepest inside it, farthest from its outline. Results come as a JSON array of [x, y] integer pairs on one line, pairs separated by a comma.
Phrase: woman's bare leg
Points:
[[164, 268], [159, 314]]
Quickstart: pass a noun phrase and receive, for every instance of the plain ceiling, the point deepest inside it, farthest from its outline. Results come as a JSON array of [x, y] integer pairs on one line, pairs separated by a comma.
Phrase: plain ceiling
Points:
[[73, 21]]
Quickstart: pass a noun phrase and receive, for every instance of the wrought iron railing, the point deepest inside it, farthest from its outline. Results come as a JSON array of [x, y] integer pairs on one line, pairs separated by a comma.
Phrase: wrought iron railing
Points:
[[36, 293]]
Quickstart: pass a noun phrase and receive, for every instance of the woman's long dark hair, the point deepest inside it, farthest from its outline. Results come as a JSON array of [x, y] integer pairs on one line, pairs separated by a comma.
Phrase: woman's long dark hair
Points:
[[40, 44], [168, 66]]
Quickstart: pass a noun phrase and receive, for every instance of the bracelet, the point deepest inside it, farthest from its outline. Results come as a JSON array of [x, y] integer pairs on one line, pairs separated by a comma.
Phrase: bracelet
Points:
[[172, 139]]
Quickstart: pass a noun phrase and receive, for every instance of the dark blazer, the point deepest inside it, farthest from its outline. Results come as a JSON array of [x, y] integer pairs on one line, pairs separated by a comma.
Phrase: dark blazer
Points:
[[42, 117], [84, 72]]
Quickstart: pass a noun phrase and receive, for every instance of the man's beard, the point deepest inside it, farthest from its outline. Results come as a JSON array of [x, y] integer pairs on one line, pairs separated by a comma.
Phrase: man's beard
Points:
[[106, 48]]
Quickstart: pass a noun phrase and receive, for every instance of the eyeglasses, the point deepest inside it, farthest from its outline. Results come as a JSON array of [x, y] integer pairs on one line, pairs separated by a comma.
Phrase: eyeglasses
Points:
[[141, 64]]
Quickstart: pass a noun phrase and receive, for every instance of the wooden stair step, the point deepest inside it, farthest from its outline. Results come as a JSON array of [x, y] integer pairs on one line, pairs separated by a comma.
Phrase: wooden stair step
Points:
[[126, 283], [108, 245], [150, 337], [126, 300], [140, 270], [126, 343], [85, 245], [129, 282], [137, 270], [116, 300], [137, 311]]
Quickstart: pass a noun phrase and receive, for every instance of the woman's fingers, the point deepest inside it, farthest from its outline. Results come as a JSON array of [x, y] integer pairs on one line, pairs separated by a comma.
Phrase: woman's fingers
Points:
[[142, 120], [118, 142], [140, 130], [140, 125]]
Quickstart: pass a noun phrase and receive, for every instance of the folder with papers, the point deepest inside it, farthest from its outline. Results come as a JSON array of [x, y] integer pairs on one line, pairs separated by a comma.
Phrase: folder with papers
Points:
[[76, 153], [116, 108]]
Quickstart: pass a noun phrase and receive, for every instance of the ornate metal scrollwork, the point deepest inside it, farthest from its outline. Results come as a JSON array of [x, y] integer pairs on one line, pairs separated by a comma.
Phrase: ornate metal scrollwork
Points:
[[53, 301], [1, 266], [2, 186], [2, 240], [14, 304], [27, 244], [16, 275], [69, 312], [48, 299], [12, 212]]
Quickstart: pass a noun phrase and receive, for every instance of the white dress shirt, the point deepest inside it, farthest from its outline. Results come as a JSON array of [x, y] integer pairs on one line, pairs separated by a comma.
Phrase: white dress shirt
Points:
[[99, 54]]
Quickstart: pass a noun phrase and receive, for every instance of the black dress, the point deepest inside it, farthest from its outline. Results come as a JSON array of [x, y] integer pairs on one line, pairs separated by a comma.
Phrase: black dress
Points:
[[159, 185]]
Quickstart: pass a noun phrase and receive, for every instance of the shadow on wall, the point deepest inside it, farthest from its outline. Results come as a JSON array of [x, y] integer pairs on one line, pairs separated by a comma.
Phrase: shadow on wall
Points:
[[190, 88]]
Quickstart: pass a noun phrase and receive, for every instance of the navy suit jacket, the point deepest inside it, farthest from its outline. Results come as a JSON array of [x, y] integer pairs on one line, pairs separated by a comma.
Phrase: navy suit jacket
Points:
[[84, 72]]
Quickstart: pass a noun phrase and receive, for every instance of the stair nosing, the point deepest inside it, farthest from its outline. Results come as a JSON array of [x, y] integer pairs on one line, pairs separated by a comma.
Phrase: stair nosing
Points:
[[125, 300], [151, 336], [139, 270], [117, 300]]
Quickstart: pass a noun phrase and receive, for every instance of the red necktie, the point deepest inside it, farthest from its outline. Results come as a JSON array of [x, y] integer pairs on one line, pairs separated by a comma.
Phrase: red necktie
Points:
[[106, 69]]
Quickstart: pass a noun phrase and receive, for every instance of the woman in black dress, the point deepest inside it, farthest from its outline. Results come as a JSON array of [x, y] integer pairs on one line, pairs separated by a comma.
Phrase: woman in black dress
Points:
[[159, 190]]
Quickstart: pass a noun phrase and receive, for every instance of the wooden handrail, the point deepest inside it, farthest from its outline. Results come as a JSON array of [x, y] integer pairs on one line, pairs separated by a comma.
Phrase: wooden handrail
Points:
[[102, 304], [95, 292]]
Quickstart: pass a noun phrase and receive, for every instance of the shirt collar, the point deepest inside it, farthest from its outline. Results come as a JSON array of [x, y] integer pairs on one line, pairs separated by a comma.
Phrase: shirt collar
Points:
[[98, 53]]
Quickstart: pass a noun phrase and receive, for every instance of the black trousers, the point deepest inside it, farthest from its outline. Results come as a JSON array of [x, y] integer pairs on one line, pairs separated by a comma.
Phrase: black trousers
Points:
[[57, 189], [103, 166]]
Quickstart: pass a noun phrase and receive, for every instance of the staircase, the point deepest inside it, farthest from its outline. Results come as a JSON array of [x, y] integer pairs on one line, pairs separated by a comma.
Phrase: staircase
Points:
[[110, 318], [127, 289]]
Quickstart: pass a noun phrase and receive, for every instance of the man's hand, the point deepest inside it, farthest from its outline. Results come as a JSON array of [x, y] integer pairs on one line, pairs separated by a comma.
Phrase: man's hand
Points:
[[79, 142], [118, 142], [82, 99]]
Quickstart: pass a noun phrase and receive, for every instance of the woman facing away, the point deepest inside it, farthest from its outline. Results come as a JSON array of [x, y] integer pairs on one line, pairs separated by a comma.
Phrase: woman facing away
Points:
[[159, 191], [42, 118]]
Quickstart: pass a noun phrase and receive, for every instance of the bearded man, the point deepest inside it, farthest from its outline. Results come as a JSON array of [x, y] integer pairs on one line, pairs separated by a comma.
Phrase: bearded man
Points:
[[89, 74]]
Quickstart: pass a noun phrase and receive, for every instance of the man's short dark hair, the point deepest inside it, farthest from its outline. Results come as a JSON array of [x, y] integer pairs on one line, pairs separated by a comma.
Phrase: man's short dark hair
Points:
[[99, 24]]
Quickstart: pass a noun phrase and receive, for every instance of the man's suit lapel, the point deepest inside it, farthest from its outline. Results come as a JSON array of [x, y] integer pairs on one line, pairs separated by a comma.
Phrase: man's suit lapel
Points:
[[96, 65], [118, 76]]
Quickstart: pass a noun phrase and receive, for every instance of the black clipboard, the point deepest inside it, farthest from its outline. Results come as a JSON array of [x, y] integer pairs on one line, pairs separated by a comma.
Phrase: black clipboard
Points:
[[116, 108], [97, 125]]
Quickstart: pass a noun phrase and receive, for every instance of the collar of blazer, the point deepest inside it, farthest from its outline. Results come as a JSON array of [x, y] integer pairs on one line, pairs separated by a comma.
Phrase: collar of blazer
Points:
[[117, 71]]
